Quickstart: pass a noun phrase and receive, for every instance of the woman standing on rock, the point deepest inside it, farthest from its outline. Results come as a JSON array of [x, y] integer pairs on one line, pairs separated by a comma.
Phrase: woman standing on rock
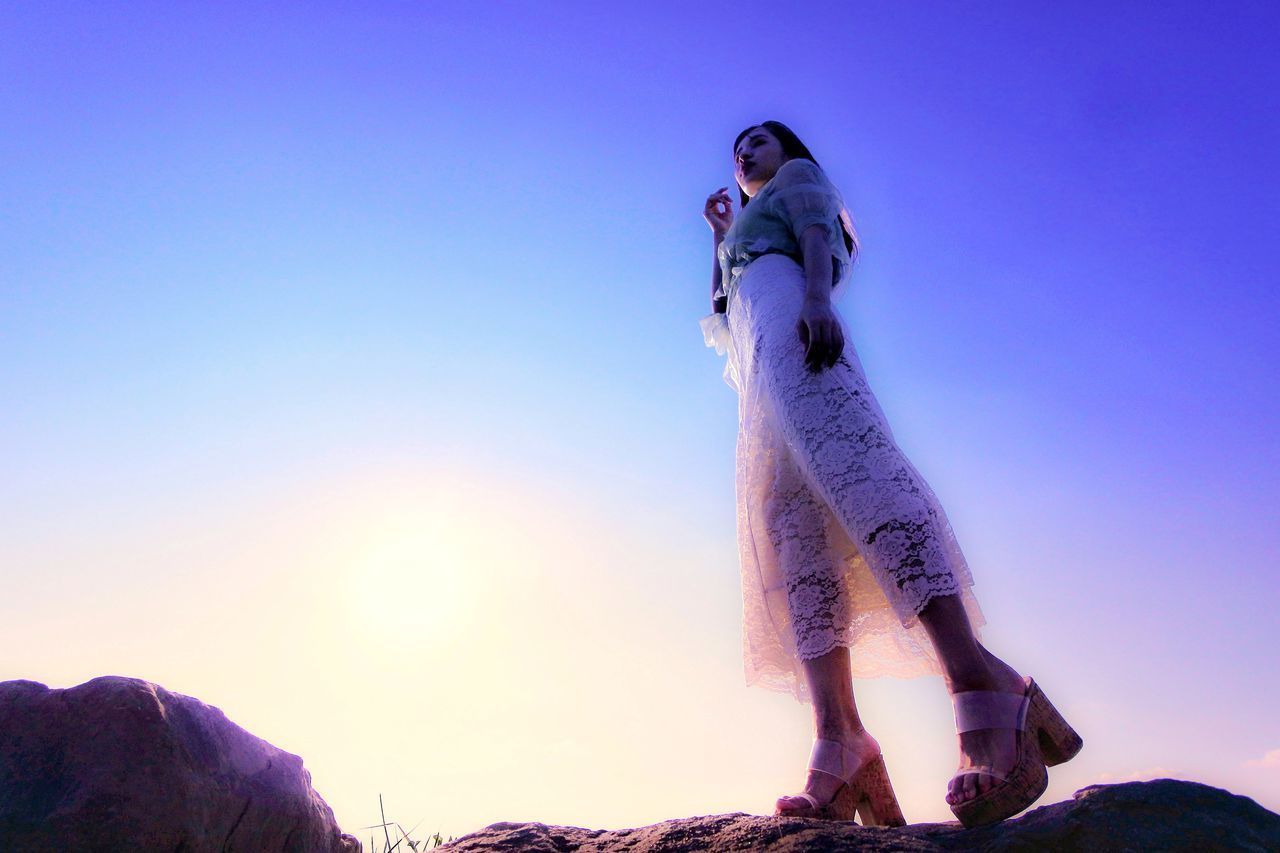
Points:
[[849, 564]]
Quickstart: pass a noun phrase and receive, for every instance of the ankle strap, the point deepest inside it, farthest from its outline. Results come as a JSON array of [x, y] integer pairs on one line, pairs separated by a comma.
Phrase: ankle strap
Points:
[[831, 756], [989, 709]]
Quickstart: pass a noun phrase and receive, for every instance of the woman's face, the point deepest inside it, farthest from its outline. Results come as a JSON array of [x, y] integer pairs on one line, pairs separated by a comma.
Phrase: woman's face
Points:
[[756, 159]]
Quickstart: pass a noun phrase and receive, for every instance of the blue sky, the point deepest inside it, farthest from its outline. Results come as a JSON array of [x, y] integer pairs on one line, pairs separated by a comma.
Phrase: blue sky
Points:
[[277, 272]]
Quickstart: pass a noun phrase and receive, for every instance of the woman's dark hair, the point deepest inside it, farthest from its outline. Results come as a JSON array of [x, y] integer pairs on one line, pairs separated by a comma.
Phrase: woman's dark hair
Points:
[[792, 147]]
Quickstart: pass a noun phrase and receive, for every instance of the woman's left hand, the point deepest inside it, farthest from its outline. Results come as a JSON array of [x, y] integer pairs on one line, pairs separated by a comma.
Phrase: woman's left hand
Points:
[[821, 334]]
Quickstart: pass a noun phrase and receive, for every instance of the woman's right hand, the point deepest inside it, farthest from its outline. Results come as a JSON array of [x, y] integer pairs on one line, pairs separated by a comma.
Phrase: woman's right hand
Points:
[[719, 219]]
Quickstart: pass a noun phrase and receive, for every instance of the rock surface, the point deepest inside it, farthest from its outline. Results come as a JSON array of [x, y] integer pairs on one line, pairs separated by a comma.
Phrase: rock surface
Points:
[[121, 763], [1163, 814]]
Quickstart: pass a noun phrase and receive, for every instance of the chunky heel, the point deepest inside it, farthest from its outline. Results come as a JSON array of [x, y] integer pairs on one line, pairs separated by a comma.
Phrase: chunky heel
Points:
[[876, 803], [866, 793], [1032, 718], [1058, 741]]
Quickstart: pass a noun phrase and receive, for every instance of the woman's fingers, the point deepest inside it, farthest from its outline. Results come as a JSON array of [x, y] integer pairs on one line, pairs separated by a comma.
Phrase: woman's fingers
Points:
[[823, 342], [837, 346], [719, 205], [813, 337], [824, 351], [806, 338]]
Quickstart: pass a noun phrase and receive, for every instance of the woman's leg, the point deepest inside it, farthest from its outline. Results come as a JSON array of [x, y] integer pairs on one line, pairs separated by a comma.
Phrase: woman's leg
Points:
[[841, 442], [835, 718], [967, 665]]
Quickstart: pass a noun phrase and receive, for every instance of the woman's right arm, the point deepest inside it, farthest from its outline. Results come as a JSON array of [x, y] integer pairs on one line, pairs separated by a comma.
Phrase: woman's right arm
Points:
[[718, 212], [718, 304]]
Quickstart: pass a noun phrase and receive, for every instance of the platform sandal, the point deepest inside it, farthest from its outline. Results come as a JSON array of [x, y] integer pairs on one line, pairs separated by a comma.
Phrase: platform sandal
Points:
[[866, 790], [1044, 739]]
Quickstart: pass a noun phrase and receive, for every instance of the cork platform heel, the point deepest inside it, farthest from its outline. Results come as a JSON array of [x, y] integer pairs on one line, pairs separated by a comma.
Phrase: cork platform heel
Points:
[[1044, 738], [866, 792]]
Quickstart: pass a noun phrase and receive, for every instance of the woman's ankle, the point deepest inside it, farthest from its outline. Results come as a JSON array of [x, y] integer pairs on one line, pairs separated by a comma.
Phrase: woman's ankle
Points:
[[977, 676], [838, 729], [995, 674]]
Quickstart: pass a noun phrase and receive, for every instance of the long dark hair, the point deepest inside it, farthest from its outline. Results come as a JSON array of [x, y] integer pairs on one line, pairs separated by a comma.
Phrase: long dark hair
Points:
[[792, 147]]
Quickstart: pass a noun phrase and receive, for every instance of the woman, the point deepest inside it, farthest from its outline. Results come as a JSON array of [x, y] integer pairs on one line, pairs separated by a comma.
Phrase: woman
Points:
[[849, 564]]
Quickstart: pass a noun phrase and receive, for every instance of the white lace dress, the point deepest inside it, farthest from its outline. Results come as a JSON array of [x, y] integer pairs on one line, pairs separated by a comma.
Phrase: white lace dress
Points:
[[841, 540]]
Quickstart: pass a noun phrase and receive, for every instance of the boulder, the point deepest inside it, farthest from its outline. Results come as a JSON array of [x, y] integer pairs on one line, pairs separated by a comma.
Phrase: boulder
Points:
[[121, 763], [1164, 815]]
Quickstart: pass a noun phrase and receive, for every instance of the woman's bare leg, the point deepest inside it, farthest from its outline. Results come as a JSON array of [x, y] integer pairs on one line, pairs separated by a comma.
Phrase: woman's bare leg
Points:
[[835, 718], [967, 665]]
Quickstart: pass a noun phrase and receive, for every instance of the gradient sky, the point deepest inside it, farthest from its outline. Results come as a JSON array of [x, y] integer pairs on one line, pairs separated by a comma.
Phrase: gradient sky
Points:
[[352, 380]]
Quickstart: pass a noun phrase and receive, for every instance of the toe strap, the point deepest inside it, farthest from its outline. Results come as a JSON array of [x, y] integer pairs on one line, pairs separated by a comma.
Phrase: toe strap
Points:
[[805, 795], [983, 768]]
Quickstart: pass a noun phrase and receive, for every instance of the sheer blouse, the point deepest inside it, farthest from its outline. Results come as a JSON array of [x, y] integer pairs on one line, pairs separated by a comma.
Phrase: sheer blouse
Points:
[[798, 195]]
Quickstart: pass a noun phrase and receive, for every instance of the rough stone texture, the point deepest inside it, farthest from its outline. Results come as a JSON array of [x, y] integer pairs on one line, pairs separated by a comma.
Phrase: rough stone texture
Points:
[[122, 764], [1164, 815]]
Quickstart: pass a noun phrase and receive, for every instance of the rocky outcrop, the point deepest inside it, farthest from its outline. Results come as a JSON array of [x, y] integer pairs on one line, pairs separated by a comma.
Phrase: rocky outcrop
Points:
[[1164, 815], [122, 764]]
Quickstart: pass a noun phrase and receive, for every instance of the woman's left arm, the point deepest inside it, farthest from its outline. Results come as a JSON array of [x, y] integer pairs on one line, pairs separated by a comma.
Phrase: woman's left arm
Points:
[[802, 197], [817, 264], [818, 326]]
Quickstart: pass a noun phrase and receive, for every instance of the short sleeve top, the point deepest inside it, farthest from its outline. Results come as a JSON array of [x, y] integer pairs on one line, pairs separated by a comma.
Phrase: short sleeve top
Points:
[[797, 196]]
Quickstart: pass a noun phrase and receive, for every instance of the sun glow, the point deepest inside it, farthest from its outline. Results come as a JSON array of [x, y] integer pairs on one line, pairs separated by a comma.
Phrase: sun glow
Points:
[[417, 575], [429, 561]]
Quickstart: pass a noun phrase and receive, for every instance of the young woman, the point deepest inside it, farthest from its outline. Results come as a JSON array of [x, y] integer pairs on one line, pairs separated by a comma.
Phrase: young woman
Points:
[[849, 564]]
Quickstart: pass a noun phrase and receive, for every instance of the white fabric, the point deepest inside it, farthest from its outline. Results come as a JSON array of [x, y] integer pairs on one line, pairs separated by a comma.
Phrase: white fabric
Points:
[[802, 196], [841, 541], [798, 195]]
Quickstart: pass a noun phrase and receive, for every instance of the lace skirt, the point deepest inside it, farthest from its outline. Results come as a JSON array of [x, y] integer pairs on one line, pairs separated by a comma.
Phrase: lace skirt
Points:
[[841, 540]]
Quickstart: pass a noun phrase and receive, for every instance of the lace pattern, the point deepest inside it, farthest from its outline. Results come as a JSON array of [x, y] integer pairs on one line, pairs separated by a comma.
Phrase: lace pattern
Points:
[[842, 541]]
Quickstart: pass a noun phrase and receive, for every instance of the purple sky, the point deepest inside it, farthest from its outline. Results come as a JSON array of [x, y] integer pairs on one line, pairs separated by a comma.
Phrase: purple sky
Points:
[[246, 247]]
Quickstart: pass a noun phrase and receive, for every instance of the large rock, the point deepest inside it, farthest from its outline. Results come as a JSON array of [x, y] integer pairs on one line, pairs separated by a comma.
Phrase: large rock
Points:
[[123, 764], [1164, 815]]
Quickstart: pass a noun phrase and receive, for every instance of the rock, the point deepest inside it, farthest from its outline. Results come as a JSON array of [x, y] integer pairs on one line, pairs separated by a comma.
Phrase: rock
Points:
[[122, 764], [1164, 815]]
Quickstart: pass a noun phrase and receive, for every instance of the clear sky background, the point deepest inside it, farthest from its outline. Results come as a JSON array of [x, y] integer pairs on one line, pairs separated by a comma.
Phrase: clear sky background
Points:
[[352, 382]]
